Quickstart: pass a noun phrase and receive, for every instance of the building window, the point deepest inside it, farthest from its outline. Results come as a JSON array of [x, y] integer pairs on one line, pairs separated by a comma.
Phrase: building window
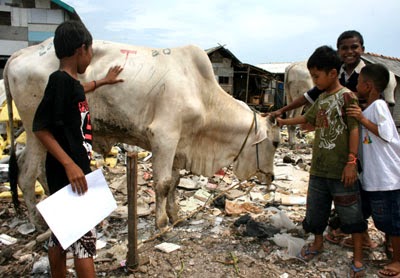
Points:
[[223, 79], [5, 18]]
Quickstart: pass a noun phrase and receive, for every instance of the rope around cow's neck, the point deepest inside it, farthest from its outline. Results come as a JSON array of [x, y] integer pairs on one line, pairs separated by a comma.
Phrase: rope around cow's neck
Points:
[[247, 137], [208, 201]]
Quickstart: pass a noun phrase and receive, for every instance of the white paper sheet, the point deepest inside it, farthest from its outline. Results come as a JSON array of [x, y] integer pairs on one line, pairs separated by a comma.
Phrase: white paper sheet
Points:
[[70, 215]]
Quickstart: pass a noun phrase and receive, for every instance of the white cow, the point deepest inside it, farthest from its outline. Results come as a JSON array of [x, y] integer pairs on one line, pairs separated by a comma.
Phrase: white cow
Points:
[[388, 93], [297, 81], [169, 103]]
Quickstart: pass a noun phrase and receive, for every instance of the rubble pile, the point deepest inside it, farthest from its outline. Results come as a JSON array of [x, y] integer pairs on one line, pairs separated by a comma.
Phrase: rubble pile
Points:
[[250, 230]]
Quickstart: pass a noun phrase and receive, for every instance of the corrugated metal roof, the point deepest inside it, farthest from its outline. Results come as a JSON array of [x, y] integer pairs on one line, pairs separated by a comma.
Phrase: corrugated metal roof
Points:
[[392, 63], [64, 6], [224, 51], [277, 68]]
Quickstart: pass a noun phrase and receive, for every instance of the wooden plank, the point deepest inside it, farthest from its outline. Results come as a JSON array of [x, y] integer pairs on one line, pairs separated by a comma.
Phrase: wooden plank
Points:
[[12, 33]]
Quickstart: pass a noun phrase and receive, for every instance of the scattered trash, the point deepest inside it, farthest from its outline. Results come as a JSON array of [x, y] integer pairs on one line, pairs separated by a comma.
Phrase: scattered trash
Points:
[[26, 228], [290, 199], [235, 208], [220, 202], [281, 220], [202, 195], [7, 240], [256, 229], [42, 266], [167, 247], [293, 244], [188, 184]]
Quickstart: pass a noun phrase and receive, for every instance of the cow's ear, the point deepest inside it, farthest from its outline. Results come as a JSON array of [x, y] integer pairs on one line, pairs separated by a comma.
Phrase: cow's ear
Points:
[[260, 136]]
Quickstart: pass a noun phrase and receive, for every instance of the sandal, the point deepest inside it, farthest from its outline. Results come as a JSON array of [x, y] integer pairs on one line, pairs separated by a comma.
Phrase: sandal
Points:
[[335, 237], [348, 242], [357, 272], [306, 254]]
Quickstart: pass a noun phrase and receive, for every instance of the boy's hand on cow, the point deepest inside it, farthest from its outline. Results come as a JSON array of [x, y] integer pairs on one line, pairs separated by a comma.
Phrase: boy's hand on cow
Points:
[[349, 174], [77, 178], [354, 111], [112, 74], [275, 114], [280, 121]]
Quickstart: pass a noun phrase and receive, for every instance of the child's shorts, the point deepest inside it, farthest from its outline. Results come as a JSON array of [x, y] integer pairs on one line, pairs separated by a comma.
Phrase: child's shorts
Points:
[[83, 248], [321, 193], [385, 207]]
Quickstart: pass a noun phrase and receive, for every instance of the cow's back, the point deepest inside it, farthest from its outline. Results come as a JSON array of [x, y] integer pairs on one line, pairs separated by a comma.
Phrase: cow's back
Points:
[[297, 80], [27, 72], [149, 75], [171, 84]]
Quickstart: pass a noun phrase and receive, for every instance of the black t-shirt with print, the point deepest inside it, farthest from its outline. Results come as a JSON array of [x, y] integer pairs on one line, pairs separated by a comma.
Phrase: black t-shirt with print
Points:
[[64, 112]]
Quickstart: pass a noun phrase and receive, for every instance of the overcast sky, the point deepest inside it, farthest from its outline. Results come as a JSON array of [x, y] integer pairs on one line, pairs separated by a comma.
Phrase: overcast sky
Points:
[[255, 31]]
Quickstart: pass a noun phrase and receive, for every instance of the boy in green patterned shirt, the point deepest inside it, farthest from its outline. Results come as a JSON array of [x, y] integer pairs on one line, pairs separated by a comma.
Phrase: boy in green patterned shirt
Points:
[[333, 173]]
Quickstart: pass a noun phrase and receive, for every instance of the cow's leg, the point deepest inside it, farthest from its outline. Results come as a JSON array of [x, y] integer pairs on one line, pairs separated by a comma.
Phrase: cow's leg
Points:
[[29, 167], [42, 177], [172, 206], [163, 145], [292, 129], [292, 135]]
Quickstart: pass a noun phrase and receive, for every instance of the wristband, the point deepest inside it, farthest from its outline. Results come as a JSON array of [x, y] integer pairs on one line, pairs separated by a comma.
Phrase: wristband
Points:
[[352, 155], [95, 85]]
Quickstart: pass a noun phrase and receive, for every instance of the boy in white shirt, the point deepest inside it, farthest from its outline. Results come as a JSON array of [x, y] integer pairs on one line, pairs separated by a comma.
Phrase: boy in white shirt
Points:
[[380, 158]]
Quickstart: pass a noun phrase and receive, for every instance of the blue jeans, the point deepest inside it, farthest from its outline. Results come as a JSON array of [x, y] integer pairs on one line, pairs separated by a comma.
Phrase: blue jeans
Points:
[[385, 207], [321, 193]]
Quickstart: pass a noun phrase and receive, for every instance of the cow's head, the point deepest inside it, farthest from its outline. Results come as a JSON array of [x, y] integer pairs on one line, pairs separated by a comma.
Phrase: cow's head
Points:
[[257, 157]]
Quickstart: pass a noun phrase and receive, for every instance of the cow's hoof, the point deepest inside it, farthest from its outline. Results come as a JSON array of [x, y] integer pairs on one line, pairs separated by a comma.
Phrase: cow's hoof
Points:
[[170, 236], [181, 223]]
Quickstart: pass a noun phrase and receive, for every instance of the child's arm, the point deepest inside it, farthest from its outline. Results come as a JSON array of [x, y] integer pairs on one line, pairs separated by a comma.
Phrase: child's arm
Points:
[[292, 121], [74, 173], [349, 175], [110, 78], [355, 111]]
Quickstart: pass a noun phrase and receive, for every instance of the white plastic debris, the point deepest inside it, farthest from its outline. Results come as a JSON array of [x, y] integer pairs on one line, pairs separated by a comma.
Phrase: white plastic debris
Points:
[[7, 240], [26, 228], [167, 247], [293, 244], [41, 266], [281, 220], [188, 184]]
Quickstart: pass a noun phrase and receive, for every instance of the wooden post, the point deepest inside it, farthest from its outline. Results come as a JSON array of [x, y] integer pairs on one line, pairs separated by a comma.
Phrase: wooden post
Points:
[[247, 84], [132, 261]]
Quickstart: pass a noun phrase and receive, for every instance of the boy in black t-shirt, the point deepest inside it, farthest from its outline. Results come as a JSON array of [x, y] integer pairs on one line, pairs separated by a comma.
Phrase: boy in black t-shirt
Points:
[[62, 124], [350, 47]]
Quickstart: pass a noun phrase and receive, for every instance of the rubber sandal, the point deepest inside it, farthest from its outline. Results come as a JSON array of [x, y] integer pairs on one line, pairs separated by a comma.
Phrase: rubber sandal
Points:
[[357, 272], [308, 254], [348, 242], [333, 237]]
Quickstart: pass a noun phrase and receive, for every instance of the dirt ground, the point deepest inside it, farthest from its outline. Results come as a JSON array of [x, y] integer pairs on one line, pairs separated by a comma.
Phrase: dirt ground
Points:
[[210, 244]]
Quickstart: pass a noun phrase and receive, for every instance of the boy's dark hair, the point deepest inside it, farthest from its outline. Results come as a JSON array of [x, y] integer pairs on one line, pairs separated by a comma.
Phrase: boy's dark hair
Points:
[[348, 35], [324, 58], [378, 74], [69, 36]]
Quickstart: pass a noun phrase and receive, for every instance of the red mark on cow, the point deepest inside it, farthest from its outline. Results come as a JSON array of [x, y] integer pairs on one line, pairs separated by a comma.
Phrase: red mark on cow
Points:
[[127, 52]]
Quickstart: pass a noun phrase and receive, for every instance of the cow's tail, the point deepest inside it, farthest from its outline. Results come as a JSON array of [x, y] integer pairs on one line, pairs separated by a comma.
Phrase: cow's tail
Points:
[[12, 164]]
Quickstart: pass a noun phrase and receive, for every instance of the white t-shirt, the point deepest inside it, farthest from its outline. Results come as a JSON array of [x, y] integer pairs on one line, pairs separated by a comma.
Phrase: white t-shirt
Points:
[[380, 156]]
